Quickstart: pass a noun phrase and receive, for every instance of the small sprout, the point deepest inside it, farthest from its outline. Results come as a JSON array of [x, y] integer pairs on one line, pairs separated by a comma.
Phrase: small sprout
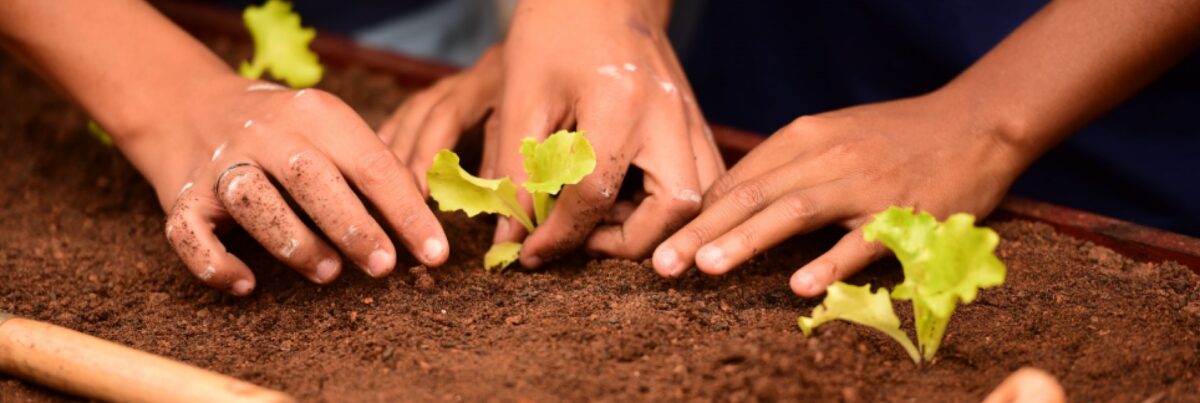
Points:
[[456, 189], [280, 45], [99, 133], [944, 263], [564, 158]]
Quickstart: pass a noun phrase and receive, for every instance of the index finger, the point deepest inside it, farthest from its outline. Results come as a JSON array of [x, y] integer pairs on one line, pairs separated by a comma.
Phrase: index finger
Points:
[[376, 172]]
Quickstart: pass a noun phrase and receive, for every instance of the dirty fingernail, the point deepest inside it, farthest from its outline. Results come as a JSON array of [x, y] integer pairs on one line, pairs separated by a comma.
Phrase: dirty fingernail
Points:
[[326, 270], [711, 257], [380, 262], [667, 261], [533, 262], [242, 287], [433, 249]]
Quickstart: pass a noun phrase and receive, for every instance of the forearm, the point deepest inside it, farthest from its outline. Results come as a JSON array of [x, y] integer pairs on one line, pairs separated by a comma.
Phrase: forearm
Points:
[[127, 65], [1073, 61]]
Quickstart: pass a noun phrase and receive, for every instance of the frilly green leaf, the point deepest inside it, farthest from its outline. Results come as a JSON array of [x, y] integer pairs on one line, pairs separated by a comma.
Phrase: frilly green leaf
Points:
[[280, 45], [858, 305], [944, 263], [564, 158], [456, 189], [500, 255]]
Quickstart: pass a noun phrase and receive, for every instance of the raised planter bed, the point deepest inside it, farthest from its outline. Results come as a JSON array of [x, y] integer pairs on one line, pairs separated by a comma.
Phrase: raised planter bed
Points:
[[81, 246]]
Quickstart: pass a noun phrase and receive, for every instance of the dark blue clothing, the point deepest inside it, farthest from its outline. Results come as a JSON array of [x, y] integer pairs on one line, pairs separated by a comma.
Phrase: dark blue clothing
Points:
[[759, 64]]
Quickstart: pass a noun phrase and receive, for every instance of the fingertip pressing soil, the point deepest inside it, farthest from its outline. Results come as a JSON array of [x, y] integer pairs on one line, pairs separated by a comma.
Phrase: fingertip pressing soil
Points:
[[81, 246]]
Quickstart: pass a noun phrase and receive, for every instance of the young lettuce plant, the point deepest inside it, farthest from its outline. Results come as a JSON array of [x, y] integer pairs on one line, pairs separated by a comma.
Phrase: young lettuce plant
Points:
[[944, 264], [280, 45], [565, 158]]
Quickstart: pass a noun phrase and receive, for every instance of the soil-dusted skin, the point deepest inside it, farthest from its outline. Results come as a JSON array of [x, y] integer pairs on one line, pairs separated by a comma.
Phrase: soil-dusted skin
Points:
[[82, 246]]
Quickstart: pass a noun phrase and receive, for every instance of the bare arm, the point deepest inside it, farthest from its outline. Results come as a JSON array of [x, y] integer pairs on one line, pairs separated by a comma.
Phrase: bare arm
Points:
[[210, 142], [119, 59], [1073, 61], [957, 149]]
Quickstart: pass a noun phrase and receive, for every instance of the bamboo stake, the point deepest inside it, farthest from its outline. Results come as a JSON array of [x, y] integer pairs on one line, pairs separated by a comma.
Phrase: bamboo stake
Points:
[[87, 366]]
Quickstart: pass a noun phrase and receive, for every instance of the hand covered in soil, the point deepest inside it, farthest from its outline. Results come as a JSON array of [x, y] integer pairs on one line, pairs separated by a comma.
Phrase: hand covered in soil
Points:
[[605, 68], [841, 168], [232, 154], [214, 145], [435, 118]]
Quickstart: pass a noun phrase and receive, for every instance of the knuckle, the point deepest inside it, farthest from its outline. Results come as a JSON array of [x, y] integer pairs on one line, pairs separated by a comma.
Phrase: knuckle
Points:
[[236, 188], [379, 167], [298, 165], [720, 187], [805, 122], [443, 109], [315, 100], [596, 195], [696, 235], [746, 236], [317, 97], [798, 206], [629, 90], [292, 249], [682, 210], [844, 151], [749, 195], [413, 219], [175, 228]]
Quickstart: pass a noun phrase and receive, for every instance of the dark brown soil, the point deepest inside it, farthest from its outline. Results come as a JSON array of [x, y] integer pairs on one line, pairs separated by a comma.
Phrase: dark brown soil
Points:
[[81, 246]]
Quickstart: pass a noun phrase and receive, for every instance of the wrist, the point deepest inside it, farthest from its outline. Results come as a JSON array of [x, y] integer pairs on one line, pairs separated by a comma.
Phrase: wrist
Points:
[[1009, 129], [165, 132]]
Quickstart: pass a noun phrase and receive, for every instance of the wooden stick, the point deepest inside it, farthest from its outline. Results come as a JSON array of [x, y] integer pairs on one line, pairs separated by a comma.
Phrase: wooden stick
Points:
[[74, 362]]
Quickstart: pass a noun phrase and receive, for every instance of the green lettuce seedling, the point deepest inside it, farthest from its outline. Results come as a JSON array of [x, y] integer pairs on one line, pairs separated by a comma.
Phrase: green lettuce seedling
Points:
[[564, 158], [280, 45], [944, 264]]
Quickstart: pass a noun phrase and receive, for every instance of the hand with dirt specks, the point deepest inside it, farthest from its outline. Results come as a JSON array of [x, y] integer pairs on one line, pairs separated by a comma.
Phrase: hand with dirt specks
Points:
[[604, 67], [318, 151], [214, 144], [956, 149]]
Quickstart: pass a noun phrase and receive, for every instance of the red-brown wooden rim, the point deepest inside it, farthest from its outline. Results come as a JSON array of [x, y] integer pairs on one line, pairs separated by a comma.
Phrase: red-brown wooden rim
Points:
[[1136, 241]]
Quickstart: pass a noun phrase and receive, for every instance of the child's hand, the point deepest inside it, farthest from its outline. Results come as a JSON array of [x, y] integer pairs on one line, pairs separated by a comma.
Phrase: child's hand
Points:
[[934, 153], [604, 67], [214, 145], [224, 156], [434, 119]]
